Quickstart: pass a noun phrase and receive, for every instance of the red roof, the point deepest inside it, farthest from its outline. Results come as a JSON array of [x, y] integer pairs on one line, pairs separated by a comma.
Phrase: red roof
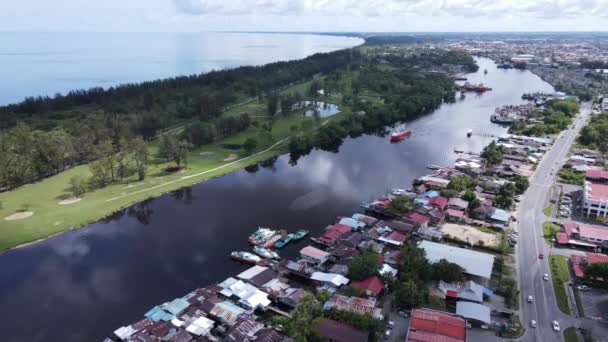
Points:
[[592, 258], [373, 284], [334, 232], [586, 230], [416, 217], [455, 213], [439, 202], [436, 326], [597, 174], [562, 238], [451, 294], [597, 191], [397, 236], [340, 332]]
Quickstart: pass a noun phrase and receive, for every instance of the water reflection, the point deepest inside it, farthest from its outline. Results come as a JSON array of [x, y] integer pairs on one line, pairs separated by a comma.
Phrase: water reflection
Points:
[[85, 283]]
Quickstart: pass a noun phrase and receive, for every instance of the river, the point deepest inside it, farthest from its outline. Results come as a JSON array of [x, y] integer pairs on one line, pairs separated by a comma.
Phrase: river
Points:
[[34, 64], [83, 284]]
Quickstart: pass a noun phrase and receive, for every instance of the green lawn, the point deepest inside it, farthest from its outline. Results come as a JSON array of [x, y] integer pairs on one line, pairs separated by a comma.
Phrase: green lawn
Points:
[[570, 335], [548, 211], [549, 231], [560, 276]]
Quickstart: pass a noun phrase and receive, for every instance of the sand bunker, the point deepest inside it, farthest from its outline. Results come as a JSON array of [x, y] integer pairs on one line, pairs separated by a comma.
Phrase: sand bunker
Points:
[[231, 157], [20, 215], [70, 200]]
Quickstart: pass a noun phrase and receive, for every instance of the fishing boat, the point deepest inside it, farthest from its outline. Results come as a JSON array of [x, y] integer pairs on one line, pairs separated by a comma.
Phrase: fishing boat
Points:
[[269, 243], [300, 234], [261, 236], [469, 133], [284, 240], [400, 135], [245, 257], [433, 167], [265, 253]]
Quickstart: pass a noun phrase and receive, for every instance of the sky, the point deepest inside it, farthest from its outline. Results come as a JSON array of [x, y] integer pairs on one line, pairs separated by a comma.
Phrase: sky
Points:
[[303, 15]]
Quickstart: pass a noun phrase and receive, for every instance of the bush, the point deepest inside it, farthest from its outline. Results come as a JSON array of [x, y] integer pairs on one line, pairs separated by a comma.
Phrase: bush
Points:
[[78, 186]]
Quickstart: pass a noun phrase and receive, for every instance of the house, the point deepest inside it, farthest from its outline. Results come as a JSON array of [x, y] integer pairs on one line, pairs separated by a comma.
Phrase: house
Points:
[[579, 263], [482, 212], [250, 297], [468, 291], [500, 217], [339, 269], [373, 286], [333, 233], [458, 204], [474, 312], [257, 275], [593, 235], [329, 279], [428, 325], [416, 219], [393, 239], [402, 227], [474, 263], [226, 312], [352, 223], [243, 330], [368, 220], [314, 255], [357, 305], [430, 233], [334, 331], [200, 326], [436, 216], [351, 239], [454, 215], [438, 202], [600, 176], [292, 297]]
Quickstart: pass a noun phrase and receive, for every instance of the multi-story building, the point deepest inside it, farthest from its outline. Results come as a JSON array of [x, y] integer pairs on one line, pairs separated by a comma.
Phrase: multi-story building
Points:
[[595, 194]]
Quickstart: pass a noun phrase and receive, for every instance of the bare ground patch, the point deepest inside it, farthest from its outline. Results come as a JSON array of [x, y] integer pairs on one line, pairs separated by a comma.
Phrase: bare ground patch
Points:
[[20, 215], [470, 234], [231, 157], [70, 200]]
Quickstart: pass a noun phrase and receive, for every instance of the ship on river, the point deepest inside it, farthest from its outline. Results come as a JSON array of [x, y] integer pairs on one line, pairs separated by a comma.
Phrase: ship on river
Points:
[[479, 88]]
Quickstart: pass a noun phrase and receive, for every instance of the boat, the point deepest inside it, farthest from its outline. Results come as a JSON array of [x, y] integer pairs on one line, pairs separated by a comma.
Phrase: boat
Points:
[[485, 71], [469, 133], [269, 243], [261, 236], [400, 135], [300, 234], [502, 119], [480, 88], [265, 253], [284, 240], [245, 257], [433, 167]]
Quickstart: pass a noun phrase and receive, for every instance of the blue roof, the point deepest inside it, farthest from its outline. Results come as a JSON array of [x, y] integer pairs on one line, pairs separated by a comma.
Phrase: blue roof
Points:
[[488, 292], [421, 201], [152, 311], [500, 215], [176, 306], [156, 314], [351, 222], [431, 194]]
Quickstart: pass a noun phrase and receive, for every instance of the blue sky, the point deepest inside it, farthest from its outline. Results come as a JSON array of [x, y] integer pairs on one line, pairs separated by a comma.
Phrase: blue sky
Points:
[[303, 15]]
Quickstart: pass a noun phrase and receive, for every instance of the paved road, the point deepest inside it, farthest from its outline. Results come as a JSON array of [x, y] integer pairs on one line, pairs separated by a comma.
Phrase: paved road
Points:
[[529, 220]]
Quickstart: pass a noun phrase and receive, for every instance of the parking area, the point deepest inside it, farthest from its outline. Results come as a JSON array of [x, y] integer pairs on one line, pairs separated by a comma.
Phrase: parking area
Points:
[[595, 303], [470, 235]]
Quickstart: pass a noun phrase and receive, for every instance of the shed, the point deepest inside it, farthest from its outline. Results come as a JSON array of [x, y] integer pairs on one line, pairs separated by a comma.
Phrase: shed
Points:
[[473, 311]]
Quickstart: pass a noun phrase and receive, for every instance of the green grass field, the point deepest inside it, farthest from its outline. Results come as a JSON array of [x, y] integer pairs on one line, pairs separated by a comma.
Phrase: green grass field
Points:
[[570, 335], [559, 273], [548, 211], [49, 217]]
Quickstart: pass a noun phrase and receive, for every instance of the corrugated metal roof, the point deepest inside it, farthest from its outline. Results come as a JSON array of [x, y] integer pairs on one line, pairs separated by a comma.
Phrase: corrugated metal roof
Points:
[[474, 263], [473, 311]]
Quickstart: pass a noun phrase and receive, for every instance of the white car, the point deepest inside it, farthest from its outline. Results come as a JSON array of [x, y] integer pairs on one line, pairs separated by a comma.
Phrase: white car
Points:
[[545, 276], [583, 288], [391, 324], [530, 299], [555, 325], [533, 323]]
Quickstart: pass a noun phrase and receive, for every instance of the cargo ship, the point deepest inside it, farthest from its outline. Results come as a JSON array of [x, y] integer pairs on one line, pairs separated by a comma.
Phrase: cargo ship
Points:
[[265, 253], [246, 257], [480, 88], [400, 135]]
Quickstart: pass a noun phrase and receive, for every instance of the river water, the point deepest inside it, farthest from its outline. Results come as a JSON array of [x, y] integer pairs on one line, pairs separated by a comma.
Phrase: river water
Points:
[[83, 284], [34, 64]]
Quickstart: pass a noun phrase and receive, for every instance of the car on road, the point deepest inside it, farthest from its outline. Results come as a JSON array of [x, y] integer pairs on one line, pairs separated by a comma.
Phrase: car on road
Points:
[[541, 256], [583, 288], [391, 324], [545, 276], [387, 334], [530, 299], [555, 325], [533, 323], [403, 314]]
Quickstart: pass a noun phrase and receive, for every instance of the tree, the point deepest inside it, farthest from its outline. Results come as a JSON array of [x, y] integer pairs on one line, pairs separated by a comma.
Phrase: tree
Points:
[[364, 265], [521, 184], [78, 186], [104, 169], [400, 206], [475, 203], [272, 105], [171, 148], [301, 324], [597, 270], [410, 294], [447, 271], [492, 153], [250, 145], [469, 196], [461, 183], [509, 288], [413, 263], [141, 156], [504, 198]]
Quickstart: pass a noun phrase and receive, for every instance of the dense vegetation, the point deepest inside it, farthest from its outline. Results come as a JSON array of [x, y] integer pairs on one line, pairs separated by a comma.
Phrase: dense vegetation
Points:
[[595, 134], [45, 135], [556, 117]]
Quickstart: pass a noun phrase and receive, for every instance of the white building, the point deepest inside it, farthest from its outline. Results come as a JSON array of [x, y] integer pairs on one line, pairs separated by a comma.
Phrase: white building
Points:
[[595, 199], [474, 263]]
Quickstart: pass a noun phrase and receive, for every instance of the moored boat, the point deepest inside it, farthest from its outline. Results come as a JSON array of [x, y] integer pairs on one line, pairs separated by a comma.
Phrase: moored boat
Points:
[[400, 135], [300, 234], [433, 167], [265, 253], [269, 243], [284, 240], [245, 257], [469, 133], [261, 236]]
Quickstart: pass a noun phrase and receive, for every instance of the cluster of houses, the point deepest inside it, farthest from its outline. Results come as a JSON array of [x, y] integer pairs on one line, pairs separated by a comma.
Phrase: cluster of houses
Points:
[[582, 160]]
